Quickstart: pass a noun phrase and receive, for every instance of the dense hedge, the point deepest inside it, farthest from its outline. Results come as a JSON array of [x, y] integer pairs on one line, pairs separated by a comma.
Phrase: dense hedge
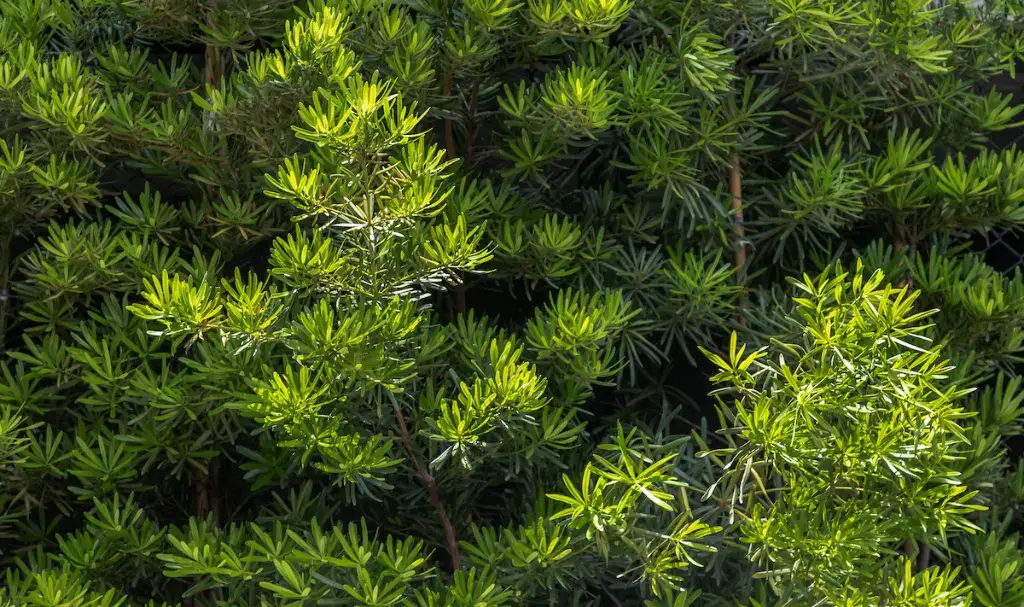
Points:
[[477, 302]]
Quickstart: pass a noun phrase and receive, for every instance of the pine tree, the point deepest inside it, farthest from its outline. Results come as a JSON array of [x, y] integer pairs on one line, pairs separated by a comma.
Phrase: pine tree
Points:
[[403, 303]]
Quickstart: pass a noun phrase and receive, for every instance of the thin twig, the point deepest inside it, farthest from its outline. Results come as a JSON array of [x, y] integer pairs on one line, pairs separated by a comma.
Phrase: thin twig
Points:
[[207, 497], [449, 128], [460, 288], [471, 123], [5, 289], [435, 497], [736, 210], [924, 559], [900, 242], [460, 295]]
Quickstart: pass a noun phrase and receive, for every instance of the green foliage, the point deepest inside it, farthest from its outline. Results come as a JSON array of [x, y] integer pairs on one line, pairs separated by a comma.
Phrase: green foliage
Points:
[[370, 303], [857, 428]]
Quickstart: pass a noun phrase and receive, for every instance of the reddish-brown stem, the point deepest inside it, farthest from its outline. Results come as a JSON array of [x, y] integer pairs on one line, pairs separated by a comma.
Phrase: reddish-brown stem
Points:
[[5, 294], [207, 501], [460, 295], [924, 559], [211, 66], [203, 497], [900, 242], [204, 504], [471, 123], [908, 548], [739, 234], [202, 509], [449, 128], [435, 497], [460, 288], [214, 74]]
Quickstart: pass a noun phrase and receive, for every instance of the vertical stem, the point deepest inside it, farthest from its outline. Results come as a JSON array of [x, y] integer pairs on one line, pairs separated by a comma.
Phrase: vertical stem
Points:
[[908, 549], [202, 508], [5, 289], [924, 559], [460, 288], [213, 76], [901, 241], [206, 490], [460, 295], [207, 503], [739, 234], [471, 123], [435, 497], [449, 128], [203, 497]]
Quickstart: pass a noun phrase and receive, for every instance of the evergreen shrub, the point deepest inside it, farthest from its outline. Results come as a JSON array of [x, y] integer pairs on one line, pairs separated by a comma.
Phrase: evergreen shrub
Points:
[[489, 302]]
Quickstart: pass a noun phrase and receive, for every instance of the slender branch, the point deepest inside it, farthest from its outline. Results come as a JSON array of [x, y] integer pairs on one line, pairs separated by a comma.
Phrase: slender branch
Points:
[[739, 234], [214, 75], [449, 128], [5, 290], [435, 497], [471, 123], [206, 489], [203, 497], [202, 509], [924, 559], [460, 288], [902, 241], [460, 295]]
